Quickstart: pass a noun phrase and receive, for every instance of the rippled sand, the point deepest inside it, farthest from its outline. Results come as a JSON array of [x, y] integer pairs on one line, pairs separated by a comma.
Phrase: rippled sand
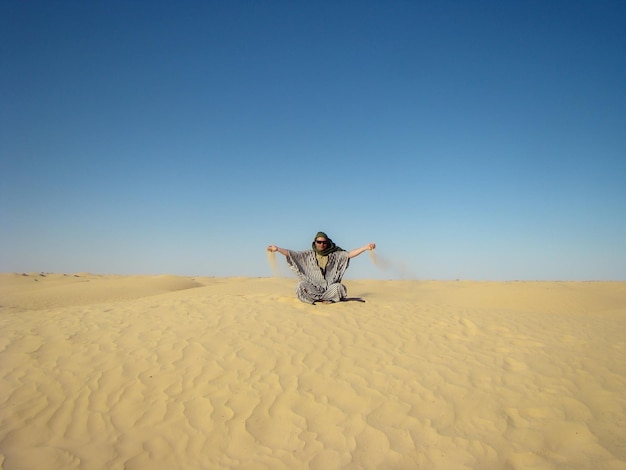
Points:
[[166, 372]]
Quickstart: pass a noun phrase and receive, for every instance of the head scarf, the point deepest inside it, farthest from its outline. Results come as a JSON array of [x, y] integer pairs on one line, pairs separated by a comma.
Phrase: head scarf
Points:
[[330, 248]]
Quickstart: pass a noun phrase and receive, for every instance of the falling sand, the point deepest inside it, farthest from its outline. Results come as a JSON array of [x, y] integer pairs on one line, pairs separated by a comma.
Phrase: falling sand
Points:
[[396, 268], [165, 372], [271, 259], [378, 262]]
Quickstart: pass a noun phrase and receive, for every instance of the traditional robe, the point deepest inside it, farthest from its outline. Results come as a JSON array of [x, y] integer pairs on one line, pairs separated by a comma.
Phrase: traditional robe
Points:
[[317, 285]]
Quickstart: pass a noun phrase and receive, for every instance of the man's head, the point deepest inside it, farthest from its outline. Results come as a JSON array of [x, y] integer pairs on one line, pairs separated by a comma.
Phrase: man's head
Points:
[[324, 245], [321, 240]]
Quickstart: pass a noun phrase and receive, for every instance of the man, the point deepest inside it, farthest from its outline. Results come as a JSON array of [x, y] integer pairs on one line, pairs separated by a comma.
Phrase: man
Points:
[[320, 269]]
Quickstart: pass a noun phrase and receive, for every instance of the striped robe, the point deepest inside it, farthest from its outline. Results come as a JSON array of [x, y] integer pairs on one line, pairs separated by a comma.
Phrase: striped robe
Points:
[[315, 286]]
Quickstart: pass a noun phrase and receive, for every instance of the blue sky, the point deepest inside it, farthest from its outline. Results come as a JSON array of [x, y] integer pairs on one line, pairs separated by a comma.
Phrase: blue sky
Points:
[[468, 139]]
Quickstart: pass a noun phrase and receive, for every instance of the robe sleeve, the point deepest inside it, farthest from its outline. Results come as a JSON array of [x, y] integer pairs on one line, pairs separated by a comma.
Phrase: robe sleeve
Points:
[[302, 263]]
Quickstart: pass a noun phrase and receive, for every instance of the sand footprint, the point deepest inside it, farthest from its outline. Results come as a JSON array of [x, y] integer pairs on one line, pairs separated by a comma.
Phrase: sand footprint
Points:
[[469, 327], [514, 365]]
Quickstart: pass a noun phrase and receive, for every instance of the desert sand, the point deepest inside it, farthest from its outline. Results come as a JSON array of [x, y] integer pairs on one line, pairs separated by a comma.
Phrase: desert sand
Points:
[[164, 372]]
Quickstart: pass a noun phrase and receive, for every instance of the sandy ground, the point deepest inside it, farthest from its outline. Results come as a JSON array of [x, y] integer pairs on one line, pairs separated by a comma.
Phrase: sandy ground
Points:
[[164, 372]]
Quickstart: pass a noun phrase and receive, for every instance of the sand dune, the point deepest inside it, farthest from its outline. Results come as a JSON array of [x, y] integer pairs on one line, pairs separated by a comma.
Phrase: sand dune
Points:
[[41, 290], [164, 372]]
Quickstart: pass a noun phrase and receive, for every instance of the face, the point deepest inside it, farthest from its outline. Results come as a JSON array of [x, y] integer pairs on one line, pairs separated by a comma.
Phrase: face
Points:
[[321, 243]]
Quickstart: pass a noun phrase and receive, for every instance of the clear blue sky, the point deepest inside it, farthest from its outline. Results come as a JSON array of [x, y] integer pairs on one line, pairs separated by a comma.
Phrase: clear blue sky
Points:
[[468, 139]]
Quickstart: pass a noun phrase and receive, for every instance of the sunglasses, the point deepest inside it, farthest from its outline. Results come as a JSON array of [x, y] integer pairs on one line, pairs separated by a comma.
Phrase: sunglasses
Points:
[[321, 242]]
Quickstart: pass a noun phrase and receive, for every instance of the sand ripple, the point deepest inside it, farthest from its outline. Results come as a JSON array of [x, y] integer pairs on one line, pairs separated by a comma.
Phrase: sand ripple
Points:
[[238, 374]]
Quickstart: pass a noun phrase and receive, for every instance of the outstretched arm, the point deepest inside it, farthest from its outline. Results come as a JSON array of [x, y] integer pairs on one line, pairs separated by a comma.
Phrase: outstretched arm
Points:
[[274, 249], [358, 251]]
